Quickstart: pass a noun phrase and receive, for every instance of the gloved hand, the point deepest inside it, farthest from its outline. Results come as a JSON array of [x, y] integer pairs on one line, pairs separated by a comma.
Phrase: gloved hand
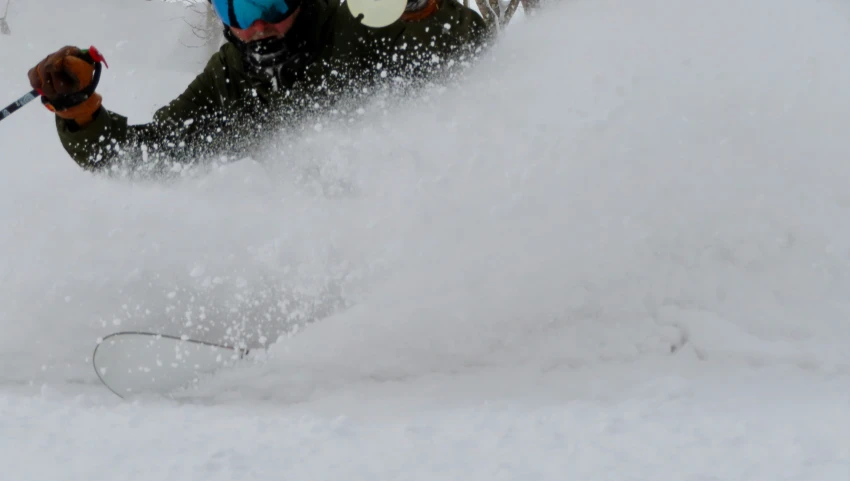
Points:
[[65, 80], [417, 10]]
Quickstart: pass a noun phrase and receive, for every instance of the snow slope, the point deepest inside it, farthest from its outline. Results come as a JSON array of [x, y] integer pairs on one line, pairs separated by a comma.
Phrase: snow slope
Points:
[[615, 251]]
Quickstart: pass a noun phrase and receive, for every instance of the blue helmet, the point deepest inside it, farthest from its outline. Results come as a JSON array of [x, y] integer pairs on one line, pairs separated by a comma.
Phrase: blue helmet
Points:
[[243, 13]]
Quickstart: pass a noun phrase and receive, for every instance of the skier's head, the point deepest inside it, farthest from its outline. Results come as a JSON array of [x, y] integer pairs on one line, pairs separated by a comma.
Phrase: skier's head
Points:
[[253, 20], [266, 31]]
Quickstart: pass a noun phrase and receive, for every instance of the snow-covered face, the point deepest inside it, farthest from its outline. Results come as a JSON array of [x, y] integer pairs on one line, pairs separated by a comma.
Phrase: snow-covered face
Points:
[[262, 29]]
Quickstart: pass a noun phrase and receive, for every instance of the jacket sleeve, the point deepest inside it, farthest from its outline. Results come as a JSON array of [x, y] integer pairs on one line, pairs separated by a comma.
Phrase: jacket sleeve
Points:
[[452, 35], [438, 44], [180, 131]]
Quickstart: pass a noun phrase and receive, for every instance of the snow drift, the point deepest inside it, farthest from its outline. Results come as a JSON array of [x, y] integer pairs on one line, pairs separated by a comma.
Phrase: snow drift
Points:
[[595, 257], [597, 189]]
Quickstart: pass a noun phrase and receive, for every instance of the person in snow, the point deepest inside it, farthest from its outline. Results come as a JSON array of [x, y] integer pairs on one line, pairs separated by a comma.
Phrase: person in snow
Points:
[[282, 59]]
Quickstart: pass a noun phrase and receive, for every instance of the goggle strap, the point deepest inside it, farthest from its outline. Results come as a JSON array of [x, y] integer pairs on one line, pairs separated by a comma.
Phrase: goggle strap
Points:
[[231, 12]]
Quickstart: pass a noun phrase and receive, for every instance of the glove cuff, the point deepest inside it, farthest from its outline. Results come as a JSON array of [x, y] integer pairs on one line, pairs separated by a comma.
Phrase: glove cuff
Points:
[[82, 113]]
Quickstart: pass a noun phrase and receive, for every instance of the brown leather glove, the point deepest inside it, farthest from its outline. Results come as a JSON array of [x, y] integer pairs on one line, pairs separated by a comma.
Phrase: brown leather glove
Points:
[[62, 79]]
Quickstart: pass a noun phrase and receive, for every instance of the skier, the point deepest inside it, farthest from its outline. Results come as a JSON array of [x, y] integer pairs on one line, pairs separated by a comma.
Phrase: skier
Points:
[[282, 59]]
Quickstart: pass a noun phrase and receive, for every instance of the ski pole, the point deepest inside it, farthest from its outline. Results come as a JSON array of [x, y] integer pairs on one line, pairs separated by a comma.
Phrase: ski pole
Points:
[[90, 53], [29, 97]]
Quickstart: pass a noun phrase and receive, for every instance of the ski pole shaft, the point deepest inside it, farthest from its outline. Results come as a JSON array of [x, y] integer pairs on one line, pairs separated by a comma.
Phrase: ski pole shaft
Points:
[[29, 97]]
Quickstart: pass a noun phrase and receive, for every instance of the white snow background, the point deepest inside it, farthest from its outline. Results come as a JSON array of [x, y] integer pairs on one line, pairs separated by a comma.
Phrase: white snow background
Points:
[[521, 253]]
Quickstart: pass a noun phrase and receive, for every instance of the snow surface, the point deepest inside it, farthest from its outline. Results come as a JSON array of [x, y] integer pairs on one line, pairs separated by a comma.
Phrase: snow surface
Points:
[[618, 250]]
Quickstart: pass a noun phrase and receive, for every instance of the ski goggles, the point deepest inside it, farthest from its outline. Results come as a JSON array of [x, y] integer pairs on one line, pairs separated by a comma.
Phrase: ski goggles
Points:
[[242, 13]]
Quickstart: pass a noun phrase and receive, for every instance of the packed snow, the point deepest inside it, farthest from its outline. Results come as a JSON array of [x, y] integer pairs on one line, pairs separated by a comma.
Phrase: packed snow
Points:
[[616, 249]]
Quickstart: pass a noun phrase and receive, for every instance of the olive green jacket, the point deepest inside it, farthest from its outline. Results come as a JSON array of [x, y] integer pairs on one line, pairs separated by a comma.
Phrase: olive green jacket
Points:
[[228, 108]]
